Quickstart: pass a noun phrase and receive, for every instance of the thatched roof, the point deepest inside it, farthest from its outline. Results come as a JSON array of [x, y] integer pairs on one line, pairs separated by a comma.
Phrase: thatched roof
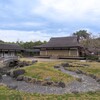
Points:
[[61, 42], [32, 50], [6, 46]]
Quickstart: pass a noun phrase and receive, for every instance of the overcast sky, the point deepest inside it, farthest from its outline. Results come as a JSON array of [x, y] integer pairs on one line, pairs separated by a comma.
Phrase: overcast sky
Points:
[[34, 20]]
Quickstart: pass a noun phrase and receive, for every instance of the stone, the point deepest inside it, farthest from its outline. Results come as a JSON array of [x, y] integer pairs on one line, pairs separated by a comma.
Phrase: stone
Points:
[[34, 61], [33, 80], [57, 66], [20, 64], [47, 79], [27, 79], [98, 79], [8, 73], [93, 76], [12, 86], [44, 83], [75, 92], [20, 78], [79, 79], [0, 76], [79, 71], [38, 82], [61, 84], [16, 73], [65, 64]]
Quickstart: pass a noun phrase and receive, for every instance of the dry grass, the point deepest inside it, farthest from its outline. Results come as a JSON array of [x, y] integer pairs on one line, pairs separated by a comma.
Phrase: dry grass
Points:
[[42, 70], [88, 67]]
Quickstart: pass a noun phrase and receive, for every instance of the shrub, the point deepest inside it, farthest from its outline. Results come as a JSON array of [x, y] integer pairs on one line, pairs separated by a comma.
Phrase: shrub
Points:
[[92, 57]]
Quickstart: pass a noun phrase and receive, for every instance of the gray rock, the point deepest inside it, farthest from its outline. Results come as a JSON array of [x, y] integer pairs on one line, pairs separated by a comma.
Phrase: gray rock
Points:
[[27, 79], [79, 72], [12, 86], [0, 76], [61, 84], [20, 78], [57, 66], [16, 73], [47, 79], [75, 92], [93, 76], [79, 79], [98, 80], [65, 64], [34, 61]]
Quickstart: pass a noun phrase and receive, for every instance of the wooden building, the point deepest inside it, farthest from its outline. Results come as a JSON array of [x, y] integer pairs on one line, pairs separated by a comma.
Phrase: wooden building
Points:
[[9, 49], [62, 47]]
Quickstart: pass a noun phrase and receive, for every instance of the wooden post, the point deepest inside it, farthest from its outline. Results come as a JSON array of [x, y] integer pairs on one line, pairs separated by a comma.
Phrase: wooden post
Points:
[[69, 52], [77, 53]]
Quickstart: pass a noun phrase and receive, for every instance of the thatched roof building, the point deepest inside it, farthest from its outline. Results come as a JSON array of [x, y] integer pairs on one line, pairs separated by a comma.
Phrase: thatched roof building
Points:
[[9, 49], [61, 47]]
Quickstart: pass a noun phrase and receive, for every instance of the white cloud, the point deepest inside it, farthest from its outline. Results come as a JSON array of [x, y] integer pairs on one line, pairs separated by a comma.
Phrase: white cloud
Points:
[[63, 10], [13, 35]]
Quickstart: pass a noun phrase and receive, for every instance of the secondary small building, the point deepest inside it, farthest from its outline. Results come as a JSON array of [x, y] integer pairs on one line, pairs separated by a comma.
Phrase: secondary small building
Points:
[[9, 49], [62, 47]]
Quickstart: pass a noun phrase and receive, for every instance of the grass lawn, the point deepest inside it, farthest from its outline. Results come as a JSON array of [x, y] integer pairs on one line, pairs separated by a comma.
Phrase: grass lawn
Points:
[[8, 94], [43, 70]]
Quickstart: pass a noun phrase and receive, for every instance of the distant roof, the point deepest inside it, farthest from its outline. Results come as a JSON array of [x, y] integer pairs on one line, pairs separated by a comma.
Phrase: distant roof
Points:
[[32, 50], [6, 46], [61, 42]]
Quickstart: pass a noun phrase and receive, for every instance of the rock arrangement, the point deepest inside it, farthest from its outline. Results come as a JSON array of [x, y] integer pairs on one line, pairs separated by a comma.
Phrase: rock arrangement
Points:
[[66, 65], [91, 75], [18, 75], [25, 63]]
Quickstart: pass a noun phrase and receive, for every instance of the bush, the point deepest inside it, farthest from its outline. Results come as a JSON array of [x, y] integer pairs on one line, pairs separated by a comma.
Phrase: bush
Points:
[[92, 57]]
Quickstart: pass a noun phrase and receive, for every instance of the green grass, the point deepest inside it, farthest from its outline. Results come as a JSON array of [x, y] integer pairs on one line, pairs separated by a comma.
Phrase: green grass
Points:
[[42, 70], [8, 94]]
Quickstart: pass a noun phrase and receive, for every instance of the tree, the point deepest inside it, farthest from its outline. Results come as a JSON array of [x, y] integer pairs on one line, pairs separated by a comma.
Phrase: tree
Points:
[[1, 41], [82, 34]]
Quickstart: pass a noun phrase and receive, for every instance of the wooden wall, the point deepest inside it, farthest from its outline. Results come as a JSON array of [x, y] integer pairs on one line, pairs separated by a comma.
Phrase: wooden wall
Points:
[[65, 53]]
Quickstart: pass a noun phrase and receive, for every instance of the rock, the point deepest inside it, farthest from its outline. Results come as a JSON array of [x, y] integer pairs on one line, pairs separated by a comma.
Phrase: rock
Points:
[[8, 73], [65, 64], [98, 79], [0, 76], [79, 79], [27, 79], [47, 79], [57, 66], [46, 83], [75, 92], [79, 72], [38, 82], [61, 84], [16, 73], [12, 86], [34, 61], [93, 76], [20, 64], [20, 78], [49, 83], [33, 80]]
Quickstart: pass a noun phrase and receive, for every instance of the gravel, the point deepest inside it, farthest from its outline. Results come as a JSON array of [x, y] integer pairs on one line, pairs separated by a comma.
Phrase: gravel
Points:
[[87, 84]]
